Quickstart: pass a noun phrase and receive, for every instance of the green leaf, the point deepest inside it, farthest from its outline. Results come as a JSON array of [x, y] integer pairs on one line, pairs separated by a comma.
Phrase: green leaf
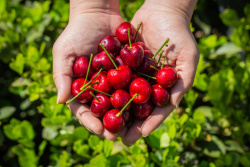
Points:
[[2, 5], [18, 64], [81, 149], [49, 133], [6, 112], [107, 148], [99, 161], [81, 133], [232, 145], [26, 157], [230, 17], [199, 117], [95, 143], [165, 140], [41, 148]]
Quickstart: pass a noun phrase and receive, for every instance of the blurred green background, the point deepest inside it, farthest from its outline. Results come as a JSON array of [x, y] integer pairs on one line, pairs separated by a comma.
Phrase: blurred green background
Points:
[[211, 127]]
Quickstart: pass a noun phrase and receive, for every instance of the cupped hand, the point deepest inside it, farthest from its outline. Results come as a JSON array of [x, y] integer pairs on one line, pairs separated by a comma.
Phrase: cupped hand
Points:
[[182, 53], [80, 38]]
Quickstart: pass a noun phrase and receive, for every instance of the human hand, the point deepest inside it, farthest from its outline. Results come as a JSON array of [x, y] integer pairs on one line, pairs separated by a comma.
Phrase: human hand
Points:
[[160, 22], [89, 22]]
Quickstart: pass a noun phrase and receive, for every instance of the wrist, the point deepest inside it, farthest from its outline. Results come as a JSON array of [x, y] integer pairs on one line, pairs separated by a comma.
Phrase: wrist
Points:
[[94, 6]]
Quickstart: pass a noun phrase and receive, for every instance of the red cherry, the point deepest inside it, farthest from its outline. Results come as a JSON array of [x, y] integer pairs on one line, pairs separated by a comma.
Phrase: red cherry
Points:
[[120, 78], [119, 99], [132, 56], [127, 116], [111, 44], [101, 60], [80, 67], [103, 84], [160, 96], [147, 53], [99, 107], [145, 66], [122, 32], [76, 86], [113, 123], [143, 88], [140, 44], [142, 111], [118, 61], [166, 77]]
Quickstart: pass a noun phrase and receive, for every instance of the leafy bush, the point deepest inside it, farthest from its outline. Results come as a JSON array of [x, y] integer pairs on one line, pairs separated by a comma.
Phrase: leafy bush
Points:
[[209, 128]]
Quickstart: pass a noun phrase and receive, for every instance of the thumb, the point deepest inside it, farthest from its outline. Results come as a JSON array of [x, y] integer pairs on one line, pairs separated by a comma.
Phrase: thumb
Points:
[[62, 73]]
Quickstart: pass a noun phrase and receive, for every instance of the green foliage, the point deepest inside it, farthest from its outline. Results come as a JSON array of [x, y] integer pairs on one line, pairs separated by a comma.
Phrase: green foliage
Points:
[[210, 128]]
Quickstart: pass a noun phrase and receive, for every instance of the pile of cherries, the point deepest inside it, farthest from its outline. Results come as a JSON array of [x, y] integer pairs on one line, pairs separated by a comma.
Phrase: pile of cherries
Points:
[[123, 81]]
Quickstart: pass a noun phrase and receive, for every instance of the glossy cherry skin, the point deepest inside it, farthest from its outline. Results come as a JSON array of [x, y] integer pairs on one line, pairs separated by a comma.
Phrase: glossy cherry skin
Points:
[[99, 108], [166, 77], [122, 32], [118, 61], [143, 88], [103, 84], [160, 96], [119, 99], [142, 111], [112, 123], [140, 44], [145, 66], [101, 60], [132, 57], [80, 67], [120, 78], [147, 53], [75, 89], [112, 44]]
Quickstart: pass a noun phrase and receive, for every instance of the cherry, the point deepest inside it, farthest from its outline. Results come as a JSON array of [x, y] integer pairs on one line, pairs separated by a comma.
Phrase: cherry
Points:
[[142, 111], [119, 78], [140, 44], [122, 32], [127, 116], [118, 61], [113, 123], [148, 54], [111, 44], [100, 105], [80, 67], [103, 84], [119, 99], [166, 77], [146, 66], [141, 87], [160, 96], [132, 56], [102, 60], [85, 96]]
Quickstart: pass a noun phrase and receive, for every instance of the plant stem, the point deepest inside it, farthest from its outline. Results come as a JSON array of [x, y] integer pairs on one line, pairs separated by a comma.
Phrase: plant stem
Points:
[[137, 31], [90, 61], [120, 113], [165, 43], [165, 58], [101, 92], [129, 38], [95, 97], [160, 57], [91, 79], [146, 75], [154, 68], [108, 55]]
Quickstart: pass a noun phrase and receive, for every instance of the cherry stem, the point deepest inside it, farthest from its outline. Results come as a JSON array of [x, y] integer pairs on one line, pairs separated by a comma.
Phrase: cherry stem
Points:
[[81, 93], [84, 86], [163, 62], [108, 55], [154, 68], [160, 57], [100, 92], [90, 61], [120, 113], [95, 96], [146, 75], [129, 38], [137, 31], [165, 43]]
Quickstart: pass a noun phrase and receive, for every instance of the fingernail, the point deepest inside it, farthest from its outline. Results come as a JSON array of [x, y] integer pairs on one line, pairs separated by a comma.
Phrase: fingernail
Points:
[[92, 131], [177, 105], [144, 136], [58, 96]]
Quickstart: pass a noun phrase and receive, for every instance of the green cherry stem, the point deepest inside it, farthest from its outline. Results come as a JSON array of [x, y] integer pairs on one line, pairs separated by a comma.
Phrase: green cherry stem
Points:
[[90, 61], [84, 86], [120, 113], [137, 31], [165, 43], [80, 93], [154, 68], [165, 58], [95, 96], [129, 39], [100, 92], [146, 75], [108, 55], [160, 57]]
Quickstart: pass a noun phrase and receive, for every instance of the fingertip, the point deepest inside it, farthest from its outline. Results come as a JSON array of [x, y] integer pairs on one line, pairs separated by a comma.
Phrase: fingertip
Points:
[[109, 136], [134, 133]]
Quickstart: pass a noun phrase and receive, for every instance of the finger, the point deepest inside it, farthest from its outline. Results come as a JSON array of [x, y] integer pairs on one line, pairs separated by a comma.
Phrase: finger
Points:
[[108, 135], [122, 134], [155, 119], [83, 114], [134, 133]]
